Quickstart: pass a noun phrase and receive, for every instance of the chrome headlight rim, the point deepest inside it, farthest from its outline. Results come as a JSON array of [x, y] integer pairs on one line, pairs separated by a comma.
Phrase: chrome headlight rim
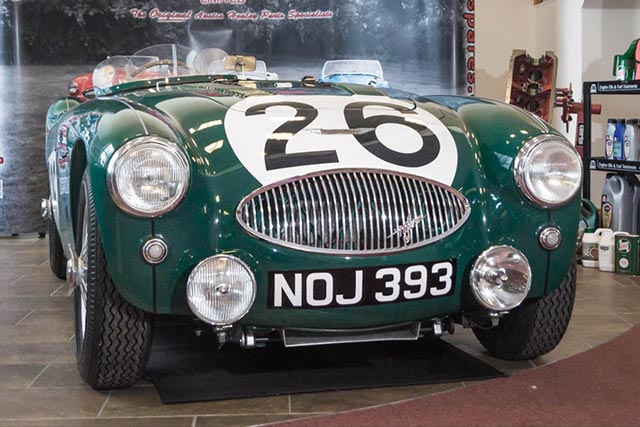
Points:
[[240, 315], [519, 169], [125, 149]]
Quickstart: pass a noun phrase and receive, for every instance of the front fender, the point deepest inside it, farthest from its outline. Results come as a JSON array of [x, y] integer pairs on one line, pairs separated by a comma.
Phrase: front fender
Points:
[[491, 135]]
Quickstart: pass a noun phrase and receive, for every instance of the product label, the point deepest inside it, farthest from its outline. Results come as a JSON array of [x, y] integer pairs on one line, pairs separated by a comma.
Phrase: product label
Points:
[[607, 214], [623, 73], [624, 246], [627, 148], [608, 146], [617, 149], [590, 251]]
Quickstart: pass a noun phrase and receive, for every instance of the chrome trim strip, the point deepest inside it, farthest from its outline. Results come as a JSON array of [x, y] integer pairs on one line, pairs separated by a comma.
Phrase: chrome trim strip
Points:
[[443, 208]]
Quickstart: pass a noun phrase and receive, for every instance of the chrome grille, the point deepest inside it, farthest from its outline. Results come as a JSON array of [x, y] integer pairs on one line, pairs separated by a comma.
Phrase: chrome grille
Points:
[[353, 212]]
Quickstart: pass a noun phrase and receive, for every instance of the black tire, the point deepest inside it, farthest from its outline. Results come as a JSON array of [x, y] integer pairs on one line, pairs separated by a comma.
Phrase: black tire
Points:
[[535, 328], [114, 348], [57, 260]]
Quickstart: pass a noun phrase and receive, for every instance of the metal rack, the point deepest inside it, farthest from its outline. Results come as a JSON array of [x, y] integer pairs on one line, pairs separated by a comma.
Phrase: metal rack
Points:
[[589, 89]]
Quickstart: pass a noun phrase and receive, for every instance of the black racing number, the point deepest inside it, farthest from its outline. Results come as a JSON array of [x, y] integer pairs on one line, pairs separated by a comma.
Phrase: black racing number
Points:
[[354, 115], [275, 155]]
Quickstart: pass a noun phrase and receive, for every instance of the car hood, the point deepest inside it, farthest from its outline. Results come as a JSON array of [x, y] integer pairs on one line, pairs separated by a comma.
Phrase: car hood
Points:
[[280, 130]]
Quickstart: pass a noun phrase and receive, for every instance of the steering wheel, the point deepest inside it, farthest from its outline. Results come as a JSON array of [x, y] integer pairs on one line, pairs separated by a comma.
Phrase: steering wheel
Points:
[[160, 62]]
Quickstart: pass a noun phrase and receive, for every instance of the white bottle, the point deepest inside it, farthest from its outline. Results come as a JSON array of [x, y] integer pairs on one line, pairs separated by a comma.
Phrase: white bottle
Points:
[[631, 140], [590, 243], [607, 250]]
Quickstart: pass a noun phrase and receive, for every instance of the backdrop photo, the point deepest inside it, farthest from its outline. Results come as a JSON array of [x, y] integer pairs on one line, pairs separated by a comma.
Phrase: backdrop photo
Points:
[[424, 46]]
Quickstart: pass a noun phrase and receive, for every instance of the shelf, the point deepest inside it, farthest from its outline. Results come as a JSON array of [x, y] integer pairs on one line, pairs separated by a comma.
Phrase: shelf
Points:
[[590, 89], [602, 164], [614, 87]]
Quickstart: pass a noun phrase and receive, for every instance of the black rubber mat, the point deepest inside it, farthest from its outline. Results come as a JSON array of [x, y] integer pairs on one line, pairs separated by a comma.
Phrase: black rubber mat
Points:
[[187, 368]]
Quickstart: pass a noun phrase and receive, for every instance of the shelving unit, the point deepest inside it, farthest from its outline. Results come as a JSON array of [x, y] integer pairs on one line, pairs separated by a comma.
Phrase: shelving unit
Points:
[[589, 89]]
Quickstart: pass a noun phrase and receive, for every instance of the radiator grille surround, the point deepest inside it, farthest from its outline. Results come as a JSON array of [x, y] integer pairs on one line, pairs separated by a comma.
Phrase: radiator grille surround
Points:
[[353, 212]]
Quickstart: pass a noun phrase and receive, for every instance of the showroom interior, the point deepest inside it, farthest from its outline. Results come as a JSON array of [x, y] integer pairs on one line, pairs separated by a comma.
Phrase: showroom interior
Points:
[[578, 363]]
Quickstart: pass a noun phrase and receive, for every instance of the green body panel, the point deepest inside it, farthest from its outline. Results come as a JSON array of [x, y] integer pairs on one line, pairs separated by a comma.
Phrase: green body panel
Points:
[[488, 136]]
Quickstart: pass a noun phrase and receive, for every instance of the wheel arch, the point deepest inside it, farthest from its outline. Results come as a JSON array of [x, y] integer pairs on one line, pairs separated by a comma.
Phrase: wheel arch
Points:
[[78, 166]]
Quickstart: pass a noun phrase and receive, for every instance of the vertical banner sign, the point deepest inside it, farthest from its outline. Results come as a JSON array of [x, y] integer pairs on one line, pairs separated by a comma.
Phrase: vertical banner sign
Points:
[[424, 46], [470, 46]]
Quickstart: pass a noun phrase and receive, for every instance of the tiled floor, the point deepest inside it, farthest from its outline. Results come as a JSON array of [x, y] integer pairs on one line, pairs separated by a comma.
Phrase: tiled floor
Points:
[[39, 384]]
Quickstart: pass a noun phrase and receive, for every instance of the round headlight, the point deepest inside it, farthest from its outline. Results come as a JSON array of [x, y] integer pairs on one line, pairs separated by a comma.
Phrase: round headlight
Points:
[[221, 290], [548, 170], [501, 278], [148, 176]]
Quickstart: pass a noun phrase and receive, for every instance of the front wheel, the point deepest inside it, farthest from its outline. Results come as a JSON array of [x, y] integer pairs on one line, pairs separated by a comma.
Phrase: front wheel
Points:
[[113, 337], [535, 328]]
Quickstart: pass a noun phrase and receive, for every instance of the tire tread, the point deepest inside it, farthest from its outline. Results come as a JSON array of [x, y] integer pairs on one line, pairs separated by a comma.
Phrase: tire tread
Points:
[[120, 340], [535, 328]]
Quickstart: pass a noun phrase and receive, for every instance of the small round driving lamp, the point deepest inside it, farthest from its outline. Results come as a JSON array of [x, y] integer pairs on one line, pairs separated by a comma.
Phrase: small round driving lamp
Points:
[[148, 176], [501, 278], [221, 290], [548, 171]]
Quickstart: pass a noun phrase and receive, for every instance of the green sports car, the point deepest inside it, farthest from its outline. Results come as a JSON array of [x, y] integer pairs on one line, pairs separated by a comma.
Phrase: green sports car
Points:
[[198, 184]]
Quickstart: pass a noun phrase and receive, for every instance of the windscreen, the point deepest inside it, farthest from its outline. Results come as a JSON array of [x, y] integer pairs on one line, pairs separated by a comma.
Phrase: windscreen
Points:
[[352, 66]]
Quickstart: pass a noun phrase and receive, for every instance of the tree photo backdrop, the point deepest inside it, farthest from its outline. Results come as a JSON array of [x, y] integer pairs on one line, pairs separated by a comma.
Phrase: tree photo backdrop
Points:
[[424, 46]]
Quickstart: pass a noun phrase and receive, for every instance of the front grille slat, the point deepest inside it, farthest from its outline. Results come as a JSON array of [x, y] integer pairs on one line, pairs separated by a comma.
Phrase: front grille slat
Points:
[[382, 237], [422, 225], [362, 212], [375, 227], [395, 223]]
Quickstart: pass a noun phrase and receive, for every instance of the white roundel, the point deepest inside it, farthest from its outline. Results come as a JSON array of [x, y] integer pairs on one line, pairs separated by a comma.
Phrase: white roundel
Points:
[[277, 137]]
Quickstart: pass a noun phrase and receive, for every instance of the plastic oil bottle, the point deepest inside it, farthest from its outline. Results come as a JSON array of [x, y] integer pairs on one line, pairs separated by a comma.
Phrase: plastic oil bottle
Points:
[[620, 202], [590, 244], [606, 252], [618, 140], [608, 139], [631, 140]]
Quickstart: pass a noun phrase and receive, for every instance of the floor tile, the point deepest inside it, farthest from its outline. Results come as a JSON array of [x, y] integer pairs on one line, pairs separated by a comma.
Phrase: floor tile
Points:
[[28, 290], [59, 375], [19, 376], [10, 317], [18, 353], [144, 401], [101, 422], [45, 333], [25, 259], [584, 324], [333, 401], [35, 303], [633, 318], [50, 403], [48, 317], [241, 420]]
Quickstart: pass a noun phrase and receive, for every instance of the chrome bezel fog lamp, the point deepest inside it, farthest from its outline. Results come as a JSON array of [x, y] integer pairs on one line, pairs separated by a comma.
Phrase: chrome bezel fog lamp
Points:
[[501, 278], [548, 171], [148, 176], [221, 290]]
